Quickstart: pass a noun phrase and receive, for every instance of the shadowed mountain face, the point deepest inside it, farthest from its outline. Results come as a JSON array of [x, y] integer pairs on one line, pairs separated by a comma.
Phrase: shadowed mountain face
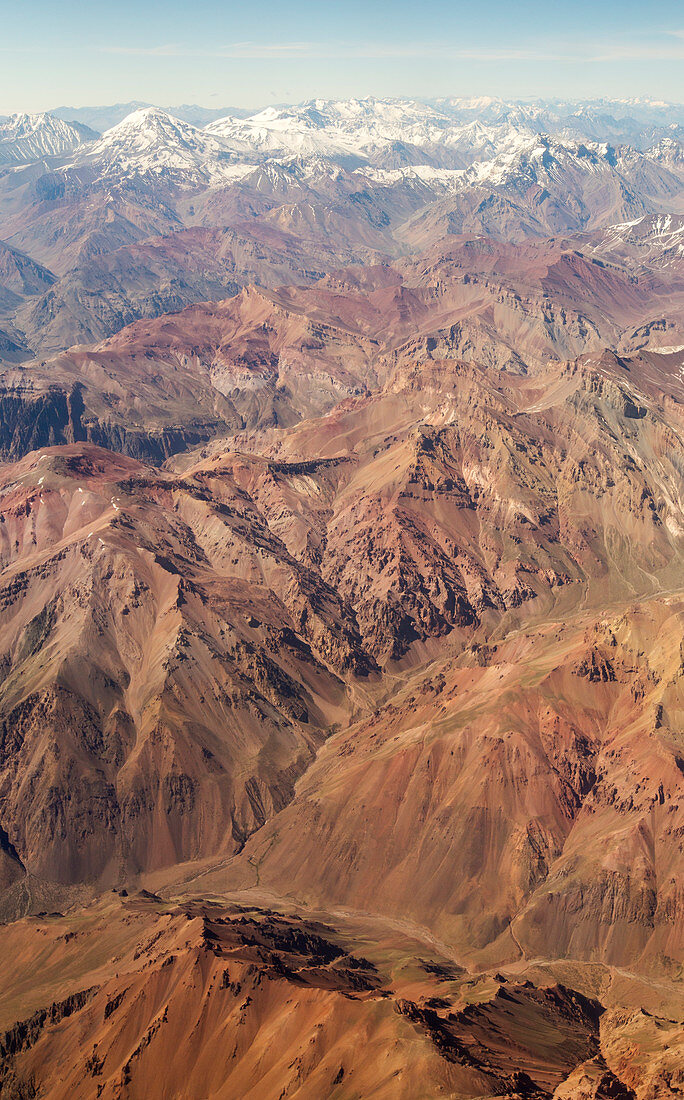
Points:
[[341, 606], [169, 658]]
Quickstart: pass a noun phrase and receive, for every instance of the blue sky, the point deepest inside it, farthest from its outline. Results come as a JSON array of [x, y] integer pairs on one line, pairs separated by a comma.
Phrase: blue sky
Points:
[[225, 54]]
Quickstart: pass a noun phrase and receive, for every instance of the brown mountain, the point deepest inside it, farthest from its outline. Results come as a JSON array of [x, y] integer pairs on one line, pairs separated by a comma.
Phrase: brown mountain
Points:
[[274, 356], [341, 679], [101, 295], [177, 677]]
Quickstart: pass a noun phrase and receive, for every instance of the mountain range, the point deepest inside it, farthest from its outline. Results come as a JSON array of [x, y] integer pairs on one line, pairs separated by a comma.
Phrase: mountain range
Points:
[[341, 601], [351, 181]]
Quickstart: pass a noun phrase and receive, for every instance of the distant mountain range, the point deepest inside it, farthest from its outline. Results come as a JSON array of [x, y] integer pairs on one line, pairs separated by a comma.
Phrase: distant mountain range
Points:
[[589, 117], [103, 118], [302, 190]]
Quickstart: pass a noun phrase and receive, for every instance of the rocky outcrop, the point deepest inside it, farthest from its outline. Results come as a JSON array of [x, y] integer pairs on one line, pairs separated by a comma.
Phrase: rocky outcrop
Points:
[[233, 970]]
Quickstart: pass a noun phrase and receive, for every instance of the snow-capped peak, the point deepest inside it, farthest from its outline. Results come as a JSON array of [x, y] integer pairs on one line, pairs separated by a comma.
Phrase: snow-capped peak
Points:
[[29, 137], [150, 141], [493, 141]]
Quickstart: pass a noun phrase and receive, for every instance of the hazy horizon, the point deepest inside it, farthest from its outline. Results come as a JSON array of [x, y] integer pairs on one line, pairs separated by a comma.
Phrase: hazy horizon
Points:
[[428, 100], [225, 54]]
